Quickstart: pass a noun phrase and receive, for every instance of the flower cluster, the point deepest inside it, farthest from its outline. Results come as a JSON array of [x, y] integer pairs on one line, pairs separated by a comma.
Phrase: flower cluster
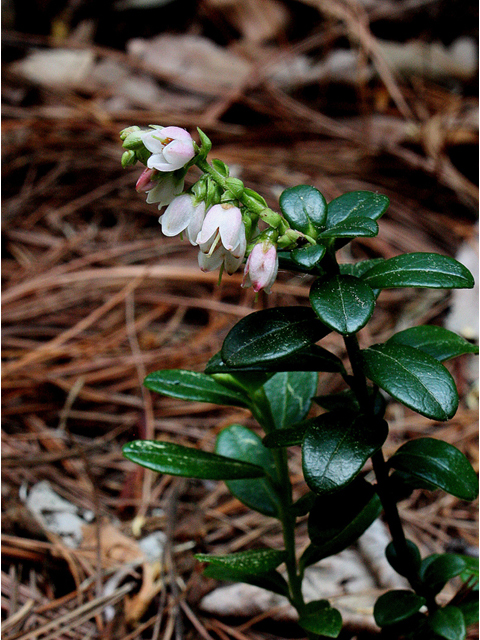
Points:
[[207, 216]]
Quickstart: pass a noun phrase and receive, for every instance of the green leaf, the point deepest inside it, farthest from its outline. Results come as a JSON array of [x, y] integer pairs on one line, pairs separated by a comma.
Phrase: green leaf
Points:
[[359, 268], [438, 463], [241, 381], [290, 396], [272, 580], [437, 572], [241, 443], [177, 460], [356, 204], [396, 606], [400, 564], [190, 385], [337, 520], [471, 567], [287, 263], [334, 514], [412, 377], [353, 227], [342, 303], [252, 562], [271, 334], [438, 342], [303, 505], [287, 437], [448, 623], [469, 608], [344, 400], [336, 446], [429, 270], [304, 207], [320, 618], [311, 358], [308, 256]]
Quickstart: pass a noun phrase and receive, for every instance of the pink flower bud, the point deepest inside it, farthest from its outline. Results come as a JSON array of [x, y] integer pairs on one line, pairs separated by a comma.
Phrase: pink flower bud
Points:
[[171, 147], [261, 267], [145, 182]]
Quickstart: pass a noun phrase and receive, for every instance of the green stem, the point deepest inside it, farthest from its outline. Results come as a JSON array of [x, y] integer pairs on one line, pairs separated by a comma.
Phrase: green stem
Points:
[[262, 413], [270, 217]]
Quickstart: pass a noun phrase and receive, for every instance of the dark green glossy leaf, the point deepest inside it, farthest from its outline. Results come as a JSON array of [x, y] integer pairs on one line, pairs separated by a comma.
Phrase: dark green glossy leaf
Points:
[[412, 377], [272, 580], [308, 256], [336, 446], [449, 623], [311, 358], [320, 618], [359, 268], [343, 303], [334, 514], [436, 573], [396, 606], [469, 608], [440, 343], [304, 207], [336, 521], [355, 204], [429, 270], [190, 385], [353, 227], [240, 443], [242, 382], [403, 565], [271, 334], [345, 400], [402, 484], [303, 505], [471, 567], [438, 463], [252, 562], [177, 460], [286, 437], [290, 396], [287, 263]]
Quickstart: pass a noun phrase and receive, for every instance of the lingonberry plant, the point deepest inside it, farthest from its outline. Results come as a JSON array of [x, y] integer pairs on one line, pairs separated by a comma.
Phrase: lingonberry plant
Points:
[[269, 363]]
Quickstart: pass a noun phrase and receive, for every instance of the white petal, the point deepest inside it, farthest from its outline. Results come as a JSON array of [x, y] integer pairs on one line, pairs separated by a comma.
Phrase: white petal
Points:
[[178, 153], [230, 225], [196, 222], [151, 139], [209, 226], [177, 215], [210, 263]]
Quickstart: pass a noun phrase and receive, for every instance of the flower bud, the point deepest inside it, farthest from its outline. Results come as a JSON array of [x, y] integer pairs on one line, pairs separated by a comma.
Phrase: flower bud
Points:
[[133, 140], [261, 267], [125, 132], [129, 158], [146, 182]]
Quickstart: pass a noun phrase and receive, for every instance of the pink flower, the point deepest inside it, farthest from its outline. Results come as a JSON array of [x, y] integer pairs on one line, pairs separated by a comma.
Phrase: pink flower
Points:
[[183, 214], [172, 148], [262, 267], [223, 223]]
